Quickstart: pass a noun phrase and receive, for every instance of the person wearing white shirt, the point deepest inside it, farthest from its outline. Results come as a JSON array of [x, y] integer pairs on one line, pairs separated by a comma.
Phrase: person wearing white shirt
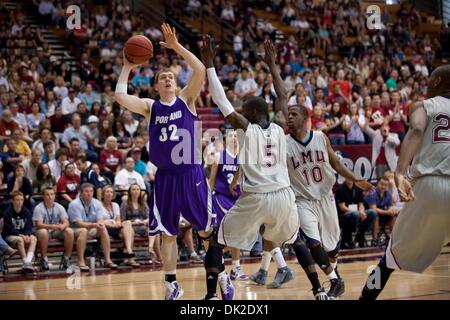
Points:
[[57, 165], [246, 86], [127, 176], [70, 103], [46, 8], [60, 88]]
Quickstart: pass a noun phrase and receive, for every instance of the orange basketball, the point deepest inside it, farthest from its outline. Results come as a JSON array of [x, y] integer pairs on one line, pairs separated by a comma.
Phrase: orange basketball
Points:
[[138, 49]]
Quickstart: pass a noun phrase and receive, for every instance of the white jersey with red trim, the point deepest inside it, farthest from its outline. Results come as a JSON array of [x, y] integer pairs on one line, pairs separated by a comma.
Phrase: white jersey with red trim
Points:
[[433, 157], [310, 171], [263, 159]]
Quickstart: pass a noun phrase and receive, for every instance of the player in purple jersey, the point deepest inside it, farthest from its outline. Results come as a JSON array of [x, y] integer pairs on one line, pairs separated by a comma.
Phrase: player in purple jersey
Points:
[[180, 183], [223, 171]]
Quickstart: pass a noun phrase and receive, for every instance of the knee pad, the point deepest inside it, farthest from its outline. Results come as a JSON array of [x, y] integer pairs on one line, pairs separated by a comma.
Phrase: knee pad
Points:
[[320, 256], [310, 242], [303, 254], [214, 258], [335, 252], [212, 237]]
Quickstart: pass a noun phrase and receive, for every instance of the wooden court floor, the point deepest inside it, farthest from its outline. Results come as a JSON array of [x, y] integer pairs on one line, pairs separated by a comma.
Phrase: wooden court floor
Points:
[[433, 284]]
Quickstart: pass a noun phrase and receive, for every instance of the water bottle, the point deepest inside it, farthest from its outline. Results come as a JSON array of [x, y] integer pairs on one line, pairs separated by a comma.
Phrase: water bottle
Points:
[[92, 263]]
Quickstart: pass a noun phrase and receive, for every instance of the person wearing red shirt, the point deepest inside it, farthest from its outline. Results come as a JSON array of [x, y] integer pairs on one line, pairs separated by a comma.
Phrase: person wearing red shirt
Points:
[[7, 125], [68, 183], [340, 79], [397, 116], [110, 158], [340, 97]]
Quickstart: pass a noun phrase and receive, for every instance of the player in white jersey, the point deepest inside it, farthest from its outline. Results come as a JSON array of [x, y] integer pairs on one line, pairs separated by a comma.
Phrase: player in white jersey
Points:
[[423, 225], [312, 164], [266, 198]]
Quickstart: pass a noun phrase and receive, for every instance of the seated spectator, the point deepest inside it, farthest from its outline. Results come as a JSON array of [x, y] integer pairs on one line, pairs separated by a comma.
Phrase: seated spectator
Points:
[[91, 131], [135, 209], [68, 185], [187, 237], [70, 103], [246, 85], [19, 182], [140, 166], [21, 120], [397, 116], [58, 164], [130, 124], [110, 158], [352, 215], [48, 154], [351, 125], [86, 217], [48, 106], [92, 175], [89, 97], [22, 146], [34, 118], [380, 200], [227, 14], [7, 125], [74, 149], [116, 228], [104, 131], [44, 180], [128, 176], [58, 122], [45, 135], [75, 131], [30, 165], [11, 158], [124, 141], [317, 119], [18, 230], [5, 249], [52, 222]]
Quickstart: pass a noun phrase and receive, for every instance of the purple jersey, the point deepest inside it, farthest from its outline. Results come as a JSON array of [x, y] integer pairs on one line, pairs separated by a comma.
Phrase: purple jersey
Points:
[[173, 136], [227, 168]]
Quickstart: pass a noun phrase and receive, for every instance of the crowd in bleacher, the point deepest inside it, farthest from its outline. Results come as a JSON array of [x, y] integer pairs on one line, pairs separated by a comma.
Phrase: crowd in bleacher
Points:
[[64, 132]]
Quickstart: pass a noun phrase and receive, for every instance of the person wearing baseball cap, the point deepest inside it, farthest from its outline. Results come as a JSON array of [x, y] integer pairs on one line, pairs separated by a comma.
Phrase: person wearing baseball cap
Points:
[[140, 166]]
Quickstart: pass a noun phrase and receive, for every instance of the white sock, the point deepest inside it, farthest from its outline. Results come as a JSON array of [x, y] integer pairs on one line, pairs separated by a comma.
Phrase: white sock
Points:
[[278, 257], [68, 258], [332, 275], [236, 263], [46, 259], [265, 262], [193, 254], [29, 257], [334, 265]]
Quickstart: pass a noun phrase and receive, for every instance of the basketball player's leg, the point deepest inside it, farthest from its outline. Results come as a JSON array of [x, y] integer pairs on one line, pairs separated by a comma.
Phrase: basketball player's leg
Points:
[[306, 260], [418, 234], [165, 217], [284, 274]]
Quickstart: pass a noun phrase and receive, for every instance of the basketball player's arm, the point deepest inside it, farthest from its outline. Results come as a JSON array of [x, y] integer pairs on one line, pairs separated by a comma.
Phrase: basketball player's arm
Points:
[[208, 53], [235, 181], [410, 147], [278, 83], [192, 90], [338, 166], [132, 103], [213, 176]]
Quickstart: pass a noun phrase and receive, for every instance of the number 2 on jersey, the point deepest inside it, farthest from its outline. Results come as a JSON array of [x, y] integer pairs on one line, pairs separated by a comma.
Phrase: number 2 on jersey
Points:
[[173, 135], [441, 132]]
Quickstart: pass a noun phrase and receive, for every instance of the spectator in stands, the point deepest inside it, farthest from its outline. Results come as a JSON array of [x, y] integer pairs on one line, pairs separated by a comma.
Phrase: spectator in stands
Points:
[[89, 96], [30, 165], [380, 200], [22, 146], [352, 215], [141, 81], [69, 104], [104, 131], [246, 86], [61, 90], [184, 75], [48, 154], [317, 119], [17, 181], [52, 222], [118, 229], [11, 158], [123, 137], [84, 113], [344, 85], [384, 144], [75, 131], [227, 14], [7, 125], [334, 122], [44, 180], [45, 135], [20, 118], [397, 116], [58, 164], [140, 166], [58, 122], [130, 124], [110, 158], [5, 249], [86, 217], [186, 235], [68, 185], [34, 118], [128, 176], [352, 126], [18, 230]]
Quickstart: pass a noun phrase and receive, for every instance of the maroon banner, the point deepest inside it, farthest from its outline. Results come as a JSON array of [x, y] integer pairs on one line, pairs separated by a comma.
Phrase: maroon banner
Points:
[[356, 158]]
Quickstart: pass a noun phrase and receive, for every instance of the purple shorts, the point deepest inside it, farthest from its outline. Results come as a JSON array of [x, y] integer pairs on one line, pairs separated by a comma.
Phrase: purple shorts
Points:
[[185, 193], [220, 206]]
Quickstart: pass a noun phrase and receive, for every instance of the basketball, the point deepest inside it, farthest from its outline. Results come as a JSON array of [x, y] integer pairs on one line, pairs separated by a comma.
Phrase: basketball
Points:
[[138, 49]]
